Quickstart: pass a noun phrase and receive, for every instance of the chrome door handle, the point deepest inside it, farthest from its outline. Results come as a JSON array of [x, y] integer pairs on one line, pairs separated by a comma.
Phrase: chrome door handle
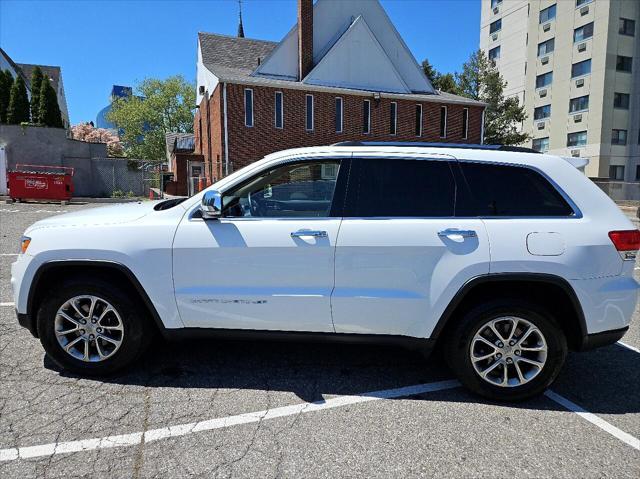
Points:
[[314, 233], [455, 232]]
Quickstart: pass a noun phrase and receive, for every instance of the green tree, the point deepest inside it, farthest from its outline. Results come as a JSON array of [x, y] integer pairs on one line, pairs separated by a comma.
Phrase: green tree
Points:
[[18, 110], [6, 82], [49, 110], [481, 80], [161, 107], [36, 85], [440, 81]]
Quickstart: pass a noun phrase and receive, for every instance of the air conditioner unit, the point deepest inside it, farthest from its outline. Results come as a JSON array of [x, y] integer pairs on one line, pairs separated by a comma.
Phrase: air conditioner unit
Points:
[[575, 153], [580, 82], [582, 47], [584, 10], [540, 125], [546, 27], [544, 60], [577, 118], [494, 36], [543, 93], [496, 10], [201, 89]]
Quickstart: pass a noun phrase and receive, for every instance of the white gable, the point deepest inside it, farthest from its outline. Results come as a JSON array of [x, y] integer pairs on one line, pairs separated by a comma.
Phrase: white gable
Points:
[[348, 64], [331, 20], [204, 77]]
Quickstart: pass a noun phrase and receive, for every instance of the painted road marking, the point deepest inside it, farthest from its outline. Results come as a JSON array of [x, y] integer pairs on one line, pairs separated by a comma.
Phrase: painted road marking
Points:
[[593, 419], [629, 346], [6, 304], [8, 254], [136, 438]]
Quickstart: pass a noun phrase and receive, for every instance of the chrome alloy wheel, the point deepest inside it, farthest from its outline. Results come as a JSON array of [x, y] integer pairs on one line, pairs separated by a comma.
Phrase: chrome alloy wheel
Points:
[[89, 328], [508, 351]]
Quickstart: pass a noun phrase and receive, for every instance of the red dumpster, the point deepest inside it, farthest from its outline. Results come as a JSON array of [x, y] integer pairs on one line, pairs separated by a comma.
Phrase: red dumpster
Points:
[[40, 182]]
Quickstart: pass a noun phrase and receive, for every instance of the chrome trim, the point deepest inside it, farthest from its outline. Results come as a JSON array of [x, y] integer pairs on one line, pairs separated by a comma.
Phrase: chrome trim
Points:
[[211, 205], [305, 233], [456, 232]]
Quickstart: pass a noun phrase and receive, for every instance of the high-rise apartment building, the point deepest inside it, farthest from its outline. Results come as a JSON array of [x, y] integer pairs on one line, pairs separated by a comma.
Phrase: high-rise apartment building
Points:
[[575, 65]]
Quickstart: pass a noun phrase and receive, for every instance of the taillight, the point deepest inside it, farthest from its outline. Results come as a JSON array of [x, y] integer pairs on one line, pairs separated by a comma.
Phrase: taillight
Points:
[[624, 241]]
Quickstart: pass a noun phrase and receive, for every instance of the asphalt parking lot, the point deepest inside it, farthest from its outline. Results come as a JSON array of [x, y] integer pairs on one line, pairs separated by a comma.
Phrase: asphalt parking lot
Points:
[[227, 409]]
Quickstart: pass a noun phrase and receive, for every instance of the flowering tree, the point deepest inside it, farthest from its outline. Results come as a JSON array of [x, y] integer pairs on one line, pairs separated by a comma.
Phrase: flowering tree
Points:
[[87, 132]]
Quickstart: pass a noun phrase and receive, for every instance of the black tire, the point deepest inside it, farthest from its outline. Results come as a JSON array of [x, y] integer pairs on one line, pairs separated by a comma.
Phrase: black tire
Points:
[[137, 331], [458, 347]]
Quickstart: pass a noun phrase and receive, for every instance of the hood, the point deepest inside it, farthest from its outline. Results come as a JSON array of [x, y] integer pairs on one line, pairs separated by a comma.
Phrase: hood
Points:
[[103, 215]]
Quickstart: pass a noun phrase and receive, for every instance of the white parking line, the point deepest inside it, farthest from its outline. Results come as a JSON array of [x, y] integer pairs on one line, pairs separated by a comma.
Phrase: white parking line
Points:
[[7, 304], [629, 346], [8, 254], [593, 419], [136, 438]]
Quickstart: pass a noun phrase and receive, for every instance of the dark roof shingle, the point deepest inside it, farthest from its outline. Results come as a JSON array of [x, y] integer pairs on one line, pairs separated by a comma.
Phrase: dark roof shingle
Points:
[[224, 54]]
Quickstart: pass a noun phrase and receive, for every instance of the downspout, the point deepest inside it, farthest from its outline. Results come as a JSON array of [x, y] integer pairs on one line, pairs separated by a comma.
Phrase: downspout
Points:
[[482, 127], [226, 131]]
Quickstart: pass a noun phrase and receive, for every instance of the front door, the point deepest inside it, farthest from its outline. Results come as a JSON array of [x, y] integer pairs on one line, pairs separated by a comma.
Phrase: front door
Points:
[[402, 253], [268, 263]]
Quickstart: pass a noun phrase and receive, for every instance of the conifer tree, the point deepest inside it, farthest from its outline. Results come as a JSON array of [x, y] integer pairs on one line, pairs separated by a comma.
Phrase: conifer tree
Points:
[[49, 111], [18, 110], [36, 85], [6, 82]]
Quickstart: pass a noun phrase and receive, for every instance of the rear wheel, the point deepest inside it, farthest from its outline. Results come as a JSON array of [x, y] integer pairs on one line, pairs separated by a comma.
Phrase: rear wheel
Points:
[[91, 327], [507, 350]]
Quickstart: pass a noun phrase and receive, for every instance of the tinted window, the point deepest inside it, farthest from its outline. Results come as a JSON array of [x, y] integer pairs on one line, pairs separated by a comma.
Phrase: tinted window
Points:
[[248, 107], [495, 26], [583, 32], [309, 113], [548, 14], [544, 80], [293, 190], [338, 115], [278, 107], [623, 64], [366, 116], [510, 191], [494, 53], [547, 47], [580, 68], [401, 188], [579, 104], [542, 112]]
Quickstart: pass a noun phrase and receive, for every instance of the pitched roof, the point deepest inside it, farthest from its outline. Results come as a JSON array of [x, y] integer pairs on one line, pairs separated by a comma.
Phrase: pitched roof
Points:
[[179, 141], [52, 72]]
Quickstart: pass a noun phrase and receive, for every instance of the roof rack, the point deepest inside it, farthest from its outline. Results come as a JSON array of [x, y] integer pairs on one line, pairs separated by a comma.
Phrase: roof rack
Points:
[[519, 149]]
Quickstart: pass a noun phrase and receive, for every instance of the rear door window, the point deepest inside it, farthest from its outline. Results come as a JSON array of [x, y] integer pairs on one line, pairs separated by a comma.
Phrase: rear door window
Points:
[[502, 190], [381, 187]]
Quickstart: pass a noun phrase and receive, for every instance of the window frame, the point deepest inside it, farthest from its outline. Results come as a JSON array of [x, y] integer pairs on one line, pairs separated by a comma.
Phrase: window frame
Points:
[[617, 132], [578, 145], [465, 123], [546, 75], [624, 58], [571, 112], [340, 100], [495, 57], [546, 10], [246, 123], [546, 51], [617, 168], [366, 120], [540, 139], [618, 94], [542, 108], [575, 30], [583, 62], [275, 108], [622, 24], [393, 118], [495, 22], [419, 121], [443, 124], [306, 112]]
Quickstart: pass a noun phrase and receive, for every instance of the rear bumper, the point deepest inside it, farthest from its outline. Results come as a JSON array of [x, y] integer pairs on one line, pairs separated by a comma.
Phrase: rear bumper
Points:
[[28, 322], [604, 338]]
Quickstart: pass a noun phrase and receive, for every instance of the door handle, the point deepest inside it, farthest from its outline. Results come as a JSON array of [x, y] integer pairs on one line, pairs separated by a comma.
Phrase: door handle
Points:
[[455, 232], [314, 233]]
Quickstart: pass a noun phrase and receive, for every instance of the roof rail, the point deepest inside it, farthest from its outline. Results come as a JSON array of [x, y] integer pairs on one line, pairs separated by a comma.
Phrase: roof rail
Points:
[[420, 144]]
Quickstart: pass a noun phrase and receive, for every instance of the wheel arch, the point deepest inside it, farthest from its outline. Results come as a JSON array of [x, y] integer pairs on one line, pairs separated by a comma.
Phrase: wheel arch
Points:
[[45, 275], [547, 289]]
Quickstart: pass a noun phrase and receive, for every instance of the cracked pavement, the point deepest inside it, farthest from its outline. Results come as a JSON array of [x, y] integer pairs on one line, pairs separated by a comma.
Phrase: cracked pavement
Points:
[[445, 433]]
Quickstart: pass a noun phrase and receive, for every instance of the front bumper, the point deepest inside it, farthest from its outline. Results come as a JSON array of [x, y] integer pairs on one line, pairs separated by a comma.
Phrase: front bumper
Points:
[[28, 321], [604, 338]]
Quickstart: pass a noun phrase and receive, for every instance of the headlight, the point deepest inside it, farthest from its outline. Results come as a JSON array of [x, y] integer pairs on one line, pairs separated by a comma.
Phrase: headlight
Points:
[[24, 244]]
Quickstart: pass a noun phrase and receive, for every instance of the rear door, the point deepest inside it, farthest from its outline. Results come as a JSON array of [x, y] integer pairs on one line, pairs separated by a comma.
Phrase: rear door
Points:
[[401, 252]]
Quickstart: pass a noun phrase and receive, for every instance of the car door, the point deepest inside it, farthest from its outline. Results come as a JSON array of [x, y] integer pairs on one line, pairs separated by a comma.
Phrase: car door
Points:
[[268, 263], [402, 253]]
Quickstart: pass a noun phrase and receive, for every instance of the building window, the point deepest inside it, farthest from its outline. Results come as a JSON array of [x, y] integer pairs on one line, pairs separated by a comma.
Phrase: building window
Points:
[[579, 3], [248, 107], [618, 137], [638, 173], [443, 122], [339, 115], [309, 113], [541, 144], [548, 14], [616, 172], [623, 64], [542, 112], [393, 118], [366, 117], [547, 47], [544, 80], [494, 53], [583, 32], [579, 104], [465, 123], [495, 3], [495, 26], [418, 120], [627, 27], [621, 100], [579, 138], [279, 117], [581, 68]]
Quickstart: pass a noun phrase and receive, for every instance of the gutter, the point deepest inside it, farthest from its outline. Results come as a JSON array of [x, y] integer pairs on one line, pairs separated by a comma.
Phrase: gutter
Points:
[[482, 127], [226, 130]]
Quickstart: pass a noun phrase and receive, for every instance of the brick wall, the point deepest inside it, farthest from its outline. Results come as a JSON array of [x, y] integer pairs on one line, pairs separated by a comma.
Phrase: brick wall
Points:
[[209, 134], [305, 37]]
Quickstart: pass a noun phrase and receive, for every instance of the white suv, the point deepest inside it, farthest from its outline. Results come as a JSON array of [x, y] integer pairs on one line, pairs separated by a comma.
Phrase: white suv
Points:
[[506, 258]]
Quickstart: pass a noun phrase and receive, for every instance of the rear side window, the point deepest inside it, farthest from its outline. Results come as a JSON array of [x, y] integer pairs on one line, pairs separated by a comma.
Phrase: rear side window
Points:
[[401, 188], [499, 190]]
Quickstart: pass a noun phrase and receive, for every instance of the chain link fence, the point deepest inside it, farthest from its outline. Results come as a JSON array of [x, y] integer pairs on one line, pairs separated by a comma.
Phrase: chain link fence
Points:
[[127, 178], [620, 190]]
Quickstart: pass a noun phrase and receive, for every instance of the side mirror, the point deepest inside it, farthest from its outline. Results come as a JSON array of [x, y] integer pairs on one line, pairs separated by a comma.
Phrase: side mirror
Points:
[[211, 206]]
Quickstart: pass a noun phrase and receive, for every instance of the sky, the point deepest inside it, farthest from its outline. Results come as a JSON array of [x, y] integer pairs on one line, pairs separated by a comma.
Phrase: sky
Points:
[[99, 43]]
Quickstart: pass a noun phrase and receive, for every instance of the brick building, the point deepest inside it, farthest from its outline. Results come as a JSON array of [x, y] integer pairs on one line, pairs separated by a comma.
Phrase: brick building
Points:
[[342, 73]]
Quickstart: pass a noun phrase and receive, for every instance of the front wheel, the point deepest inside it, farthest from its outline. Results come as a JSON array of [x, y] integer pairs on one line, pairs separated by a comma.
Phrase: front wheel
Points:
[[90, 327], [507, 350]]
